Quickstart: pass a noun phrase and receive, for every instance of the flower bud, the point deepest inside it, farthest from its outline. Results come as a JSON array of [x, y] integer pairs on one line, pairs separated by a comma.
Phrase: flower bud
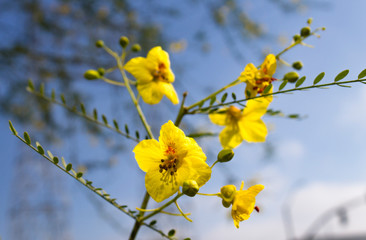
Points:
[[291, 77], [99, 43], [228, 193], [123, 41], [101, 71], [136, 48], [296, 37], [305, 31], [297, 65], [225, 204], [309, 21], [190, 188], [91, 74], [225, 155]]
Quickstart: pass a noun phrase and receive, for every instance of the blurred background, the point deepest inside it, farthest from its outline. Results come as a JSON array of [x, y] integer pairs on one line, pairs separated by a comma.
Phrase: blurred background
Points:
[[313, 167]]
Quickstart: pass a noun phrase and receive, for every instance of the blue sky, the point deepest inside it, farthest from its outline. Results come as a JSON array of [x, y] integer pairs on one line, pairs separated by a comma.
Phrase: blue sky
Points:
[[318, 162]]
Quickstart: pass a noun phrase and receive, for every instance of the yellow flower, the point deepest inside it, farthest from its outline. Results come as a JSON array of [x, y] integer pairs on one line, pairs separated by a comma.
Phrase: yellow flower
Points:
[[258, 79], [244, 203], [170, 161], [242, 125], [154, 76]]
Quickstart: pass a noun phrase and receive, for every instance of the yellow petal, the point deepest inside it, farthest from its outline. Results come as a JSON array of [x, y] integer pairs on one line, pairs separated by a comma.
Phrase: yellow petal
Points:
[[243, 206], [230, 137], [150, 92], [193, 170], [159, 190], [256, 108], [254, 190], [195, 162], [248, 75], [172, 136], [141, 69], [148, 154], [219, 118], [157, 54], [269, 65], [253, 130], [169, 91]]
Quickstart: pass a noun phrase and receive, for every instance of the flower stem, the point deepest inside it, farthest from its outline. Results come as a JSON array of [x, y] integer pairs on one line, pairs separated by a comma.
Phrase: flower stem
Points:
[[209, 194], [182, 111], [235, 82], [183, 214], [162, 207], [214, 163], [138, 222], [120, 62], [112, 82]]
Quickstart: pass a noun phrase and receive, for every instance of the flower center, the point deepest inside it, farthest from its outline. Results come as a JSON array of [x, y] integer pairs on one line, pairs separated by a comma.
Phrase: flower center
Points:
[[234, 114], [160, 73], [169, 165]]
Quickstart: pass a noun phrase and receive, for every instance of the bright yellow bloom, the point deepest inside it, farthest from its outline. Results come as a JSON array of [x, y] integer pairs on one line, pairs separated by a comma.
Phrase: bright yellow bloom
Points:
[[154, 76], [170, 161], [244, 203], [242, 125], [258, 79]]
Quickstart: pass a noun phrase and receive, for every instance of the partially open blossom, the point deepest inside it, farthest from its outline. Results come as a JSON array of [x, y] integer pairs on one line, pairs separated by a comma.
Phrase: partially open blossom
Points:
[[242, 125], [154, 76], [244, 203], [170, 162], [258, 79]]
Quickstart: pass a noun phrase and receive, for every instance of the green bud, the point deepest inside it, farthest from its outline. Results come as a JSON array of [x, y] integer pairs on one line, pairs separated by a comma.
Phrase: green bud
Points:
[[190, 188], [296, 37], [99, 43], [291, 77], [92, 74], [309, 21], [225, 204], [101, 71], [123, 41], [228, 193], [297, 65], [225, 155], [305, 31], [136, 47], [323, 28]]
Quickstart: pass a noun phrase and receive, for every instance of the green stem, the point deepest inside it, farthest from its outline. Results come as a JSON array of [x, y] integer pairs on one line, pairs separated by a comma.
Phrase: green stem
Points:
[[139, 221], [120, 62], [130, 91], [162, 207], [112, 82], [182, 111], [296, 43], [209, 194], [235, 82], [291, 90], [214, 163]]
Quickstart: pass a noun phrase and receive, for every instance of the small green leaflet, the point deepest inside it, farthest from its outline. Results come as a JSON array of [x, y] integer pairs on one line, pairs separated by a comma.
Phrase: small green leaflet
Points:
[[341, 75], [362, 74], [319, 77], [300, 81], [283, 84]]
